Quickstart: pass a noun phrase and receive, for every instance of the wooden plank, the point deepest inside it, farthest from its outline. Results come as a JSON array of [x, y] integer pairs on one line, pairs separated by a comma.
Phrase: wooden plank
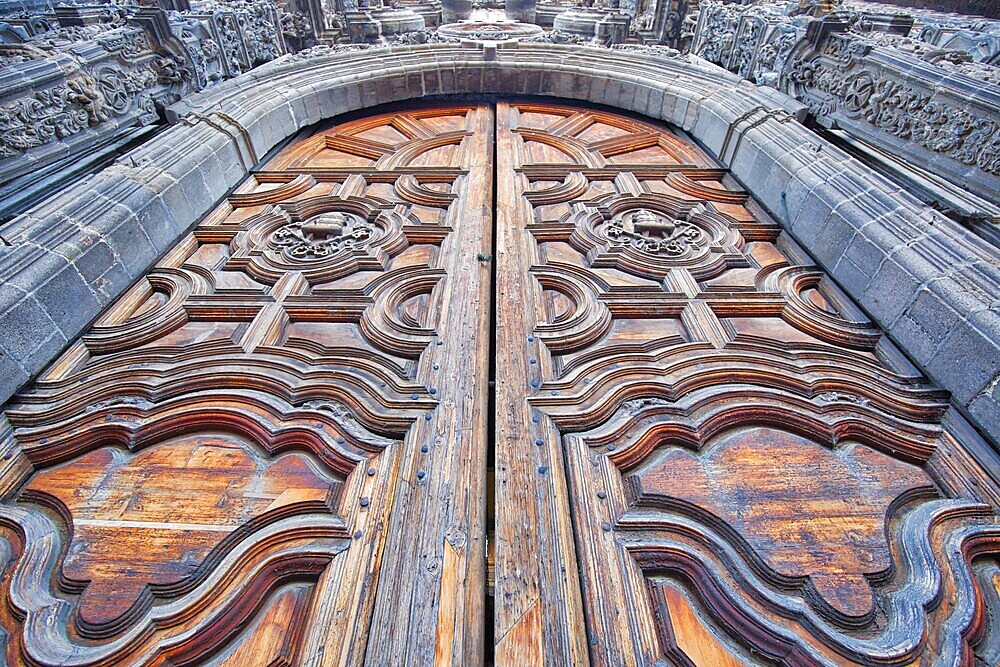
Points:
[[536, 575], [732, 428], [208, 475], [431, 597]]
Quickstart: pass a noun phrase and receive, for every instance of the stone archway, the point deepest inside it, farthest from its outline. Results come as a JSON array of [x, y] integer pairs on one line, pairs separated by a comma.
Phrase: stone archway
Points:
[[910, 271]]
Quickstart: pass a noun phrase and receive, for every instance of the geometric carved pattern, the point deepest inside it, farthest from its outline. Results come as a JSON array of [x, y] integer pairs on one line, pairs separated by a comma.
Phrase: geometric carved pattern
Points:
[[229, 488], [211, 473], [321, 235], [751, 472], [648, 237], [272, 448], [655, 234]]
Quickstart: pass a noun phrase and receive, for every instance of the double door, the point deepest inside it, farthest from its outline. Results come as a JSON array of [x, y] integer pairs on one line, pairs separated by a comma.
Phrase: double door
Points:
[[518, 383]]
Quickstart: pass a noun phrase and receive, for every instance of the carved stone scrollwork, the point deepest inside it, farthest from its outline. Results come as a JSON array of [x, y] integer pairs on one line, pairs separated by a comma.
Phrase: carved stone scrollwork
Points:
[[322, 235], [94, 64], [930, 99]]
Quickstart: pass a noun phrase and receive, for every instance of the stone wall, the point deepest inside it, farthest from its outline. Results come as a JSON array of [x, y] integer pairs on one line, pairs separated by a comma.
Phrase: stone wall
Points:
[[74, 79], [919, 88], [929, 282]]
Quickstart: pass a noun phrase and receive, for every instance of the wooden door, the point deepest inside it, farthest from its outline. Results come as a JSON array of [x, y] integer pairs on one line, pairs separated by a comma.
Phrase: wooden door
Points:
[[750, 472], [274, 448]]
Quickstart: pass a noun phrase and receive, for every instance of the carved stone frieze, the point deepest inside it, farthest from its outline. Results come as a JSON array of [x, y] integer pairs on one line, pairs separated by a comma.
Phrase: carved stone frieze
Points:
[[866, 70], [853, 83], [651, 50], [96, 72], [479, 31]]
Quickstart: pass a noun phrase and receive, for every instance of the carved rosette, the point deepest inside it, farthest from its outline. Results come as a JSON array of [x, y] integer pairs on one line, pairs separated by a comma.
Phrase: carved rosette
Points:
[[648, 237], [323, 235], [325, 238]]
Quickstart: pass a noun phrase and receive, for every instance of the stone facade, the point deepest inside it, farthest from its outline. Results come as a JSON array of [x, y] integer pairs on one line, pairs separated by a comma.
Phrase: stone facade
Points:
[[75, 79], [922, 87]]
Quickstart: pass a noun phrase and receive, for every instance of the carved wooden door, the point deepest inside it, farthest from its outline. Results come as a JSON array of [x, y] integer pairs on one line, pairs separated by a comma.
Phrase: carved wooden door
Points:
[[750, 472], [274, 448]]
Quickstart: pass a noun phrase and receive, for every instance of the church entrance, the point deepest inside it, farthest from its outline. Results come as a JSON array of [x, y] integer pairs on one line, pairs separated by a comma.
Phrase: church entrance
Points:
[[521, 382]]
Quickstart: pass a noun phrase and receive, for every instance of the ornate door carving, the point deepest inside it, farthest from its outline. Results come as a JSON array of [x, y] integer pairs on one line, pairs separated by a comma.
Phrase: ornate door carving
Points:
[[273, 449], [246, 459], [753, 475]]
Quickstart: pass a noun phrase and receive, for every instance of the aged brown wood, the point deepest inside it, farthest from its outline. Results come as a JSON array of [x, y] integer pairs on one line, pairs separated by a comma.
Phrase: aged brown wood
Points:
[[272, 450], [755, 475], [229, 467]]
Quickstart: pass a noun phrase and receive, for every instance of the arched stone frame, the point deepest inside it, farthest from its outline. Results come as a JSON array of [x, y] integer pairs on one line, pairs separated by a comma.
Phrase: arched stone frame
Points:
[[922, 277], [925, 279], [901, 261]]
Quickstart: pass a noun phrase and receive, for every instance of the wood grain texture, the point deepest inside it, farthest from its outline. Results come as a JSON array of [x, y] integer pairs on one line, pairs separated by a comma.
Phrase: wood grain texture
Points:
[[755, 475], [536, 583], [272, 449], [210, 474], [432, 587]]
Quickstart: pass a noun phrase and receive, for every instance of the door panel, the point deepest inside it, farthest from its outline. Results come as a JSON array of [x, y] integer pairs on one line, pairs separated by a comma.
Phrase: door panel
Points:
[[754, 474], [273, 448], [223, 466]]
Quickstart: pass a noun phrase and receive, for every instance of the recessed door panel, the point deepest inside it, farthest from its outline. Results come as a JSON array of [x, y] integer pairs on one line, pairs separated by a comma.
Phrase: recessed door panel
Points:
[[751, 472]]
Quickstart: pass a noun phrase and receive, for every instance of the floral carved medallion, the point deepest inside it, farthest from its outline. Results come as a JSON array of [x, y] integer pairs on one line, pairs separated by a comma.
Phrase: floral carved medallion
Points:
[[648, 238], [655, 234], [322, 235]]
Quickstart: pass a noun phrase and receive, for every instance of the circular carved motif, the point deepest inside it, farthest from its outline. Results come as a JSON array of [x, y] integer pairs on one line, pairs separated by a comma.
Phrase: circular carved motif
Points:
[[649, 236], [115, 91], [322, 235], [655, 234], [324, 238], [858, 93]]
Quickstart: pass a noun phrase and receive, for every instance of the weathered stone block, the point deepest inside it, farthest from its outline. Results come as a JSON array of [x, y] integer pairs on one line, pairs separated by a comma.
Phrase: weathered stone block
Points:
[[891, 291], [132, 247], [966, 362], [935, 316], [985, 409], [95, 261], [12, 375], [833, 240], [69, 301], [25, 326], [913, 338]]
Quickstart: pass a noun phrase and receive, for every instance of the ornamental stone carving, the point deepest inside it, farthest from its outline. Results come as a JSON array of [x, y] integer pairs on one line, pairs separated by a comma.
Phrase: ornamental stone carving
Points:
[[108, 69], [931, 99], [496, 32]]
